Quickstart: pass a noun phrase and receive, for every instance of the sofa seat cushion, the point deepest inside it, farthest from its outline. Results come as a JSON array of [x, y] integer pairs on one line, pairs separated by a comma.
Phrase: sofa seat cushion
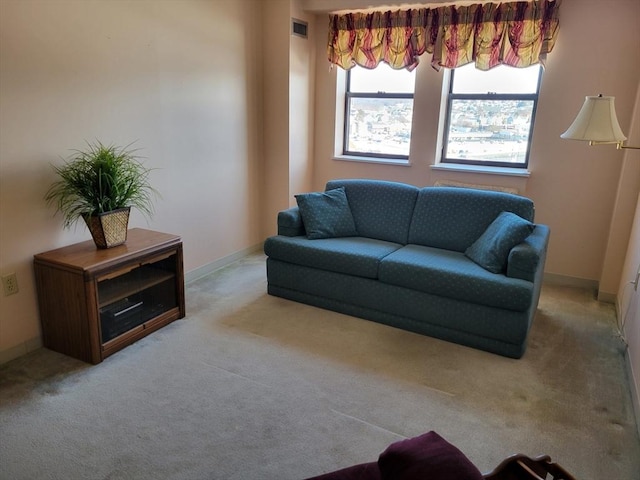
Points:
[[453, 275], [356, 256]]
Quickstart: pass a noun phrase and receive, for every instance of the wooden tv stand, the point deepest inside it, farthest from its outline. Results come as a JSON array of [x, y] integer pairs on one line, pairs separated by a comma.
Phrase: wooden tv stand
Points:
[[94, 302]]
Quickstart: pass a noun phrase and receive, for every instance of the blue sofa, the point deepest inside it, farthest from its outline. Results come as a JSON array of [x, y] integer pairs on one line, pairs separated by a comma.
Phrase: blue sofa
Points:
[[409, 260]]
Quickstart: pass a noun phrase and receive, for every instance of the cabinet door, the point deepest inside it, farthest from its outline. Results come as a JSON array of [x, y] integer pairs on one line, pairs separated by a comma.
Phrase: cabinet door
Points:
[[136, 294]]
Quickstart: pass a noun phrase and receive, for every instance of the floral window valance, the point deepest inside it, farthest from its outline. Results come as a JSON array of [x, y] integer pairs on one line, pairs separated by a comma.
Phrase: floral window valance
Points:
[[518, 34]]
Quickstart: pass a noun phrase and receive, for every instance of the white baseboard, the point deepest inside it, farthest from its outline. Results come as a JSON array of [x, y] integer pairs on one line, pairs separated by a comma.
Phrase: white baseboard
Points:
[[20, 349], [566, 281], [209, 268], [634, 388], [607, 297]]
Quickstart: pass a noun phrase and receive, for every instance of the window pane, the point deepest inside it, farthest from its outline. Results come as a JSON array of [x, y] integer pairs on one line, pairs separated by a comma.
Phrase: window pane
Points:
[[489, 130], [380, 125], [501, 79], [381, 79]]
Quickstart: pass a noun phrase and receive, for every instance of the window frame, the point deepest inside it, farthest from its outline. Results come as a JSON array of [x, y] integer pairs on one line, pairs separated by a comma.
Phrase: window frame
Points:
[[451, 96], [347, 105]]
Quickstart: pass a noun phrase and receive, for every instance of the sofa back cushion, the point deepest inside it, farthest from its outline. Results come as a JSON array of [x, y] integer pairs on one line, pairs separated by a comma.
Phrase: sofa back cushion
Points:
[[453, 218], [381, 210]]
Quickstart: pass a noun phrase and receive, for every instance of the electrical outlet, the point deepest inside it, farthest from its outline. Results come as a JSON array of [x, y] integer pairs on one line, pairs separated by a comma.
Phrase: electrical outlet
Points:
[[10, 284]]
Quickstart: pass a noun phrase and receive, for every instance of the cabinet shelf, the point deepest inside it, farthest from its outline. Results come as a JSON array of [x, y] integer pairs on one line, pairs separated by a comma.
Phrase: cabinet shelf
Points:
[[112, 290]]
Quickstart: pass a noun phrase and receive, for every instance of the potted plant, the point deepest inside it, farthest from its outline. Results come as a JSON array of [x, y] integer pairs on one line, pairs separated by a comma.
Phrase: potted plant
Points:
[[100, 185]]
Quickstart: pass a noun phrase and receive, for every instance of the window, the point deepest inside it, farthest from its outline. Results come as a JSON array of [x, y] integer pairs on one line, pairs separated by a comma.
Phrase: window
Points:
[[490, 116], [378, 112]]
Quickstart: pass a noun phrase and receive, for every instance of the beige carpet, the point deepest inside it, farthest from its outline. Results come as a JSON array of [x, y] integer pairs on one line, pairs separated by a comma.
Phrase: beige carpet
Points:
[[250, 386]]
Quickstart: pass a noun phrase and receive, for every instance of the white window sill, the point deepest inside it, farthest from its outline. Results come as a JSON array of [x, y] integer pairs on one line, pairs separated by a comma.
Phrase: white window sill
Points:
[[511, 172], [379, 161]]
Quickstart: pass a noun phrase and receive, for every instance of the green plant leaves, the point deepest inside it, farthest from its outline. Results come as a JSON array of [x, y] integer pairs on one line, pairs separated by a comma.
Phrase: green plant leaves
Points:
[[100, 179]]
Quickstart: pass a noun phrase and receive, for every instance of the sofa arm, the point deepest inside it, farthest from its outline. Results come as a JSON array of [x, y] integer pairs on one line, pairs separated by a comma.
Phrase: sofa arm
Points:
[[525, 258], [290, 223]]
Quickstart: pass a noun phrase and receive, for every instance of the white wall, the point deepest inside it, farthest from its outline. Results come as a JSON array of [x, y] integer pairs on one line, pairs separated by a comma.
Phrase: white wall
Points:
[[301, 113], [276, 120], [182, 79], [625, 205], [628, 307], [574, 187], [628, 294], [186, 80], [288, 109]]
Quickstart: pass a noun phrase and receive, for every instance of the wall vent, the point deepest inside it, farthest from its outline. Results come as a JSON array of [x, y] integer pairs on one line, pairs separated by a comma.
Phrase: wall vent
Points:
[[299, 28]]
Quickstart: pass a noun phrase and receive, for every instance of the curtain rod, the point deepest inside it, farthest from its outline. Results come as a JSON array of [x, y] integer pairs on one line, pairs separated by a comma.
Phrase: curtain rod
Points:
[[410, 6]]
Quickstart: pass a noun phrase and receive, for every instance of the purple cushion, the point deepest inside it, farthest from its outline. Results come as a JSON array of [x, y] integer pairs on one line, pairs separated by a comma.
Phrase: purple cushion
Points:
[[428, 456], [364, 471]]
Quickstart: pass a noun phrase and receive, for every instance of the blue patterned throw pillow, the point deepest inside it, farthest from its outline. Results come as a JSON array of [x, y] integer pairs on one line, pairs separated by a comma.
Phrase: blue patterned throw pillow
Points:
[[491, 250], [326, 214]]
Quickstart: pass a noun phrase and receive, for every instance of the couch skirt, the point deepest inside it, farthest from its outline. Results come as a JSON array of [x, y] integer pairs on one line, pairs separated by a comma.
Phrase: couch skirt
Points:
[[487, 328]]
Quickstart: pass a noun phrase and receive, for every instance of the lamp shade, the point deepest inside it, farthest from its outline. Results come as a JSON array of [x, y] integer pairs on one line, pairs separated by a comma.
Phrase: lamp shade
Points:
[[596, 122]]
